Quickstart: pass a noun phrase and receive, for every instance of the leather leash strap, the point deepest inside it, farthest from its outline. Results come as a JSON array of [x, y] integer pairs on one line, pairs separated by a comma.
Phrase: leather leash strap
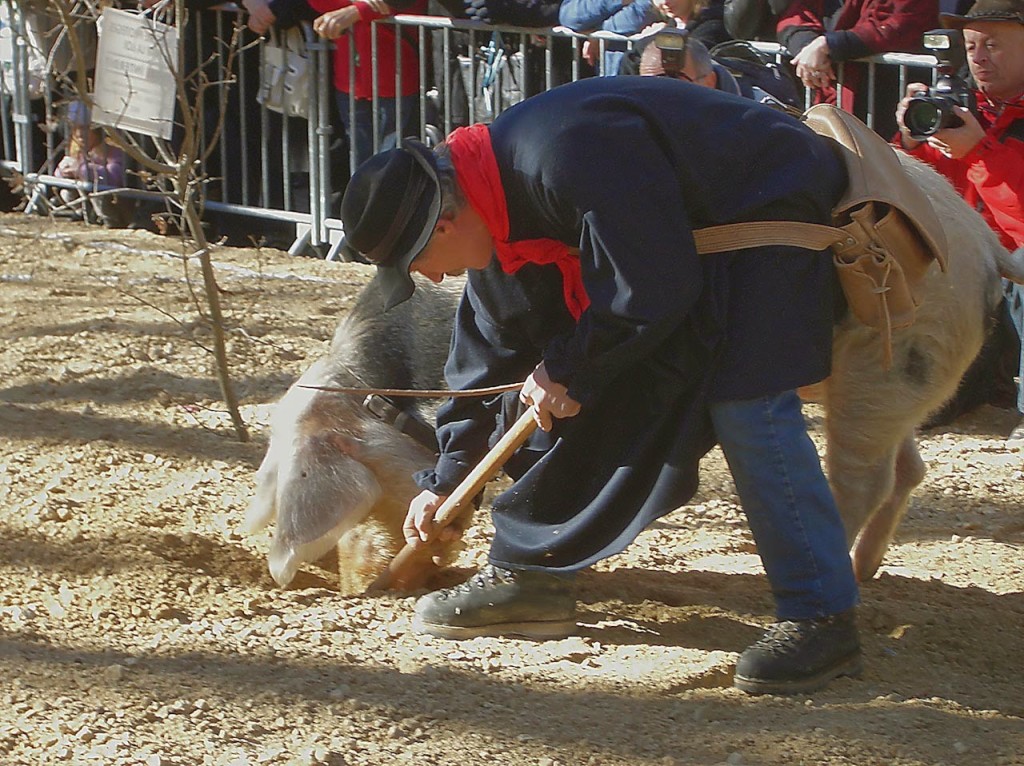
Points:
[[427, 393]]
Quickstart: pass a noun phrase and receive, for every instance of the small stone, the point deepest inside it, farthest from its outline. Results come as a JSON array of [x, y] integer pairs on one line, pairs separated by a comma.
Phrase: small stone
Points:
[[114, 673], [55, 608]]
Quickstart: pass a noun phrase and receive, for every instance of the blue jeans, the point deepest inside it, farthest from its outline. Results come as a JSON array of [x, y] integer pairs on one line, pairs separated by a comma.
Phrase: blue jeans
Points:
[[788, 504], [362, 134], [1015, 308]]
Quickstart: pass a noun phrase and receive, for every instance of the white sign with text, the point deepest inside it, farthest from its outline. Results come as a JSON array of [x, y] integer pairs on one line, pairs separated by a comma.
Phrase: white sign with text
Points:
[[136, 63]]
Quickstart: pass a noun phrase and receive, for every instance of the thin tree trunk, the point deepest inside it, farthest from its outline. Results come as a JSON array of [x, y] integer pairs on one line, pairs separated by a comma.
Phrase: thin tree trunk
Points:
[[216, 316]]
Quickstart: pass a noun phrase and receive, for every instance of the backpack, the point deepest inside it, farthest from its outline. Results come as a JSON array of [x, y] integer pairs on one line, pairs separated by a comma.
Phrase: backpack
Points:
[[754, 69], [884, 236]]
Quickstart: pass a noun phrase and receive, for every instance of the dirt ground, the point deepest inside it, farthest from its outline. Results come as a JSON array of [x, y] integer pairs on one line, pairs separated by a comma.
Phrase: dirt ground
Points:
[[138, 627]]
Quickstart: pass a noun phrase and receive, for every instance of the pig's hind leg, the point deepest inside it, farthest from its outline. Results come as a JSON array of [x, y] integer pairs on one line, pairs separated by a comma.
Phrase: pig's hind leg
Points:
[[876, 535], [873, 463]]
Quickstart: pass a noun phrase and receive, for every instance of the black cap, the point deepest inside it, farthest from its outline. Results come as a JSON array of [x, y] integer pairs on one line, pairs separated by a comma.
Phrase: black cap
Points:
[[389, 211], [986, 10]]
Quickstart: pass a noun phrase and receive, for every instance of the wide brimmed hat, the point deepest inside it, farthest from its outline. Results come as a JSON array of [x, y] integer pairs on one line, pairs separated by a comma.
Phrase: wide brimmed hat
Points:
[[986, 10], [389, 211]]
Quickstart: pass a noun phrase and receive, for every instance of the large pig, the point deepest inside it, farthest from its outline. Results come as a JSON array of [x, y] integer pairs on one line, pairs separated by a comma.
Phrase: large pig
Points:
[[335, 472], [872, 413], [331, 465]]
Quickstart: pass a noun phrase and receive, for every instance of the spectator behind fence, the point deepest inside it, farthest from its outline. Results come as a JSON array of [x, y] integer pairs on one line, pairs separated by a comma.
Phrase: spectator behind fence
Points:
[[752, 19], [90, 160], [701, 22], [752, 76], [535, 14], [701, 18], [984, 156], [530, 78], [695, 65], [540, 14], [822, 34], [234, 173], [623, 17], [344, 21]]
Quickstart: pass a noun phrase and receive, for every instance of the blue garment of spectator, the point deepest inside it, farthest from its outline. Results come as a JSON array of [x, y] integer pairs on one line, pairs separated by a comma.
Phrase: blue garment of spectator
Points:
[[610, 16]]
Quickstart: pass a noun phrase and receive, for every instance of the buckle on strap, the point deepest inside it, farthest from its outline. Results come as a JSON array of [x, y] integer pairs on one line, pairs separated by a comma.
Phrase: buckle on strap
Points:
[[409, 424]]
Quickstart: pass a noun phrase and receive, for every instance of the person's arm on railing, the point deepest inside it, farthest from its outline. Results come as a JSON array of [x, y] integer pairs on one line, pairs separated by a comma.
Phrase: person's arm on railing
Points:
[[882, 27], [261, 18], [587, 15]]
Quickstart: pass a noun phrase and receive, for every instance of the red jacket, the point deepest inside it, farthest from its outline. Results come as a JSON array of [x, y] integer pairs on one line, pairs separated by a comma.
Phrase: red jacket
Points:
[[991, 177], [861, 28], [361, 33]]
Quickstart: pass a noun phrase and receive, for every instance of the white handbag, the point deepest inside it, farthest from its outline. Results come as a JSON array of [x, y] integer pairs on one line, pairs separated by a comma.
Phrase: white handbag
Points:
[[285, 73]]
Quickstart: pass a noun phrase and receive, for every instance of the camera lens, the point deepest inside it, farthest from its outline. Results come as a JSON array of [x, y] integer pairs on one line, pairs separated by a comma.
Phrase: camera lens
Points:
[[922, 117]]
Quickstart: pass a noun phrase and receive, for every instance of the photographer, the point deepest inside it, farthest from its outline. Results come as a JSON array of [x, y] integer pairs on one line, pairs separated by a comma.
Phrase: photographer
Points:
[[671, 52], [984, 156]]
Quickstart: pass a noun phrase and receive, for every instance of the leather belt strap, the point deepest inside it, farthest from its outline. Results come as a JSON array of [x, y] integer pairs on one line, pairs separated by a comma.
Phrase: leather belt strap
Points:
[[742, 236]]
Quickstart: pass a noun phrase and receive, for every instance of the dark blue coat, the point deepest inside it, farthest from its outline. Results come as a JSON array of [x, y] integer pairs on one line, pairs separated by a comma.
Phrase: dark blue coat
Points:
[[625, 169]]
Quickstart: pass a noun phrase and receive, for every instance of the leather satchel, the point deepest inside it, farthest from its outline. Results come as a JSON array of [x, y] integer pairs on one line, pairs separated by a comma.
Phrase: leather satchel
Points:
[[884, 235]]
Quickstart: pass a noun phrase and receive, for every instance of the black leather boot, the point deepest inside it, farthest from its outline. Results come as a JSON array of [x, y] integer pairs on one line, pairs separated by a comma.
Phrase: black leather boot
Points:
[[500, 602], [800, 656]]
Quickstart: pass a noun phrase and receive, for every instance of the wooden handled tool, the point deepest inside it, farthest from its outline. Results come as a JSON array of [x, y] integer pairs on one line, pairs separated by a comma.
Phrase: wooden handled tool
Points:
[[456, 502]]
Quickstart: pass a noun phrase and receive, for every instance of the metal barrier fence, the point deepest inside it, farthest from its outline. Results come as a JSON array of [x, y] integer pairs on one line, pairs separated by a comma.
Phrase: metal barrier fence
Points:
[[14, 101], [292, 170], [266, 166]]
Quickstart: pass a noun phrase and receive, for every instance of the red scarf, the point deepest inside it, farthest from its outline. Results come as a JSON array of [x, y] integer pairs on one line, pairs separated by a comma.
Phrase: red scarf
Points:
[[476, 170]]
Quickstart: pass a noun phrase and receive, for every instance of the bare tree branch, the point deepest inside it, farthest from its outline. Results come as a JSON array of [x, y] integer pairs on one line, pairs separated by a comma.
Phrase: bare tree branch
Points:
[[173, 168]]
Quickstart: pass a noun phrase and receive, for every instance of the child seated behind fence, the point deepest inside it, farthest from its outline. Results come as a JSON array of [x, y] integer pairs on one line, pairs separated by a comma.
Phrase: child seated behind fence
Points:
[[96, 165]]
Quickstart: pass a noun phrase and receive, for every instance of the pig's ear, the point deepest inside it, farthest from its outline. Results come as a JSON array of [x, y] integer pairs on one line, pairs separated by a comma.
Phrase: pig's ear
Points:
[[322, 492], [262, 508]]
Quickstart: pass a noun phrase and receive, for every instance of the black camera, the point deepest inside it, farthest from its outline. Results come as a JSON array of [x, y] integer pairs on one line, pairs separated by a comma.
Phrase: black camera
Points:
[[927, 114], [671, 41]]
